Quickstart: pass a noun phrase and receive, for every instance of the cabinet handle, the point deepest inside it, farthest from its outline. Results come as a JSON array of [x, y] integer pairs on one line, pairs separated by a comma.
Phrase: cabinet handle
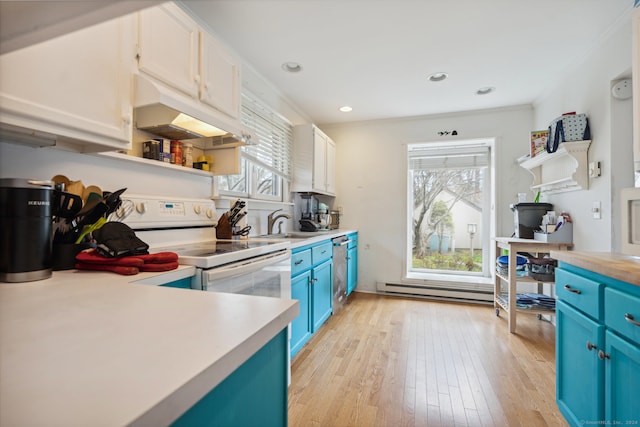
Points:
[[298, 262], [629, 318], [602, 355], [591, 346], [570, 289], [324, 252]]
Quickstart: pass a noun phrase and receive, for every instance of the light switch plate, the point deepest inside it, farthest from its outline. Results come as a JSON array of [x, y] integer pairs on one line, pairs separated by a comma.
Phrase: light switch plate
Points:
[[596, 210]]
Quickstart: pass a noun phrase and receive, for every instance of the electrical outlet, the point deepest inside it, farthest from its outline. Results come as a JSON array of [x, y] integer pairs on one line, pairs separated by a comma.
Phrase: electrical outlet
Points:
[[594, 169], [596, 210]]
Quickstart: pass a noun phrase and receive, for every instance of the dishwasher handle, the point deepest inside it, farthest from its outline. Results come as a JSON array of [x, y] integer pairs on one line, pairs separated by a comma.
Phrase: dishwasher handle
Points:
[[343, 243], [245, 267]]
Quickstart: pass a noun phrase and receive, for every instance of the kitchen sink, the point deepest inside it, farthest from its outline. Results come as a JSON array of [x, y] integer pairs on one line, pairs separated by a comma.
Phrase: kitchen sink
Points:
[[296, 235]]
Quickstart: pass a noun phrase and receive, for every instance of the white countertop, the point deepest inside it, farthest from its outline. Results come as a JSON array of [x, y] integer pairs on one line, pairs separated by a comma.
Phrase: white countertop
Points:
[[87, 348], [311, 237]]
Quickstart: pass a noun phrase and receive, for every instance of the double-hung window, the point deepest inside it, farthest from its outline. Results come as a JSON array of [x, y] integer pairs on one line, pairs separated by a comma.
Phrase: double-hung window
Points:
[[265, 165]]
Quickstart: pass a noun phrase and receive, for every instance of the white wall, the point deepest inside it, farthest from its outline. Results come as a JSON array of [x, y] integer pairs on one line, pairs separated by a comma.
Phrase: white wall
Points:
[[586, 88], [371, 177]]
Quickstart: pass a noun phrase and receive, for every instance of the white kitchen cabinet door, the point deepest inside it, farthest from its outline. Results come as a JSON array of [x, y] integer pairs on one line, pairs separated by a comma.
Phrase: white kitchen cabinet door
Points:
[[220, 71], [76, 87], [330, 167], [168, 47], [319, 162], [314, 155]]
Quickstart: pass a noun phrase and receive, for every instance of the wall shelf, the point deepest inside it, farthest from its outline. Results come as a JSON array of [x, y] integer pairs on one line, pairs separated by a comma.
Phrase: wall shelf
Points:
[[565, 170]]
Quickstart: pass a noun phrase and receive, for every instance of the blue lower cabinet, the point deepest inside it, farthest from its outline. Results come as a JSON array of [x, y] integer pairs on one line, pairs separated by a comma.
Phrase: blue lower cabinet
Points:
[[255, 394], [622, 381], [579, 374], [301, 325], [352, 262], [322, 293], [597, 348], [312, 286], [181, 283]]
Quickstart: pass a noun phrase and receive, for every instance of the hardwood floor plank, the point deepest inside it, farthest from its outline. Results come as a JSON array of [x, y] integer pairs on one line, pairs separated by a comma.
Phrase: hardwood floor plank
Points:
[[394, 361]]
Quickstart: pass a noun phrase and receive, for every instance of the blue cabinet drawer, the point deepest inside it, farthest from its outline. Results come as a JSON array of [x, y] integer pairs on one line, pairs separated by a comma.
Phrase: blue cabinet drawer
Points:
[[582, 293], [321, 252], [622, 313], [300, 261]]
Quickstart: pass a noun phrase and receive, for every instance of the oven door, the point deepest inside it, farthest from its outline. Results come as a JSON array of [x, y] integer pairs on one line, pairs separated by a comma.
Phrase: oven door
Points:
[[267, 275]]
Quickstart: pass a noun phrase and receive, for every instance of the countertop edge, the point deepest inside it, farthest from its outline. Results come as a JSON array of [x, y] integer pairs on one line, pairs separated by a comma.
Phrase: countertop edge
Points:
[[615, 265], [172, 407]]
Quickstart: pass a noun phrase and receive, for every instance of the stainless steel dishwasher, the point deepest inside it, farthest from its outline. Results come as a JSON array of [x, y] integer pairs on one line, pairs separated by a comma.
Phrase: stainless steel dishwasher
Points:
[[339, 272]]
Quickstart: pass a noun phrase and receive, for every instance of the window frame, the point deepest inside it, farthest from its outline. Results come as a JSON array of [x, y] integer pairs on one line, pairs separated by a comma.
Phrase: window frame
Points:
[[487, 276]]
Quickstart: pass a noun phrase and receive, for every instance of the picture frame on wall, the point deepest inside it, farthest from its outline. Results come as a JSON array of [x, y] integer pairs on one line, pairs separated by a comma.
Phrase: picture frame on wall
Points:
[[539, 141]]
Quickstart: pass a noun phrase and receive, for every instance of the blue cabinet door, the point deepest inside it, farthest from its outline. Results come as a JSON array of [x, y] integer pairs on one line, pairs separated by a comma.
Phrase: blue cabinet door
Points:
[[301, 325], [622, 381], [255, 394], [352, 269], [579, 372], [321, 294]]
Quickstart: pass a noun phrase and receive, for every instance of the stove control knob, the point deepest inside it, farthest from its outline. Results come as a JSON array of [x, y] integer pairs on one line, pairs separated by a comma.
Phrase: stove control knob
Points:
[[209, 213], [197, 209], [141, 207]]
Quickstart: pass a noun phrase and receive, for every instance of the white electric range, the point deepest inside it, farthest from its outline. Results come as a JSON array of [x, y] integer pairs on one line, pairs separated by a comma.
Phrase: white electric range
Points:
[[187, 227]]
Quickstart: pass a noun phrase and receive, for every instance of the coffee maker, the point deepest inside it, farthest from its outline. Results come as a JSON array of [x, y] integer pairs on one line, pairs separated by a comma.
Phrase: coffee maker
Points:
[[308, 219]]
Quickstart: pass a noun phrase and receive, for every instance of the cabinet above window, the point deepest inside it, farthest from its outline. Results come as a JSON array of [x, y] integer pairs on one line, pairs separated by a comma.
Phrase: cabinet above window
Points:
[[564, 170]]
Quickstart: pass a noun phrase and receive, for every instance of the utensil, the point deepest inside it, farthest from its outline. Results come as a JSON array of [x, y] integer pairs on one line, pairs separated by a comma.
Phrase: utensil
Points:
[[91, 193], [243, 232], [66, 205], [90, 229], [236, 218]]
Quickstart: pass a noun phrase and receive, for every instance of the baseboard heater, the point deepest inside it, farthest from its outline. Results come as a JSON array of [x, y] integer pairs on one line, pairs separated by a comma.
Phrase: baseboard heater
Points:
[[441, 292]]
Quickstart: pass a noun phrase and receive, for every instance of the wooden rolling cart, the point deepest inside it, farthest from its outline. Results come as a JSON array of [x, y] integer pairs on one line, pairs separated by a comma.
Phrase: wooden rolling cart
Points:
[[505, 299]]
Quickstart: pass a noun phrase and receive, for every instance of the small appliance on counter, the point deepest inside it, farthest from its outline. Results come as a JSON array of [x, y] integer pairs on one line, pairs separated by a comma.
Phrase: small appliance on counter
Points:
[[527, 218], [308, 219], [25, 221]]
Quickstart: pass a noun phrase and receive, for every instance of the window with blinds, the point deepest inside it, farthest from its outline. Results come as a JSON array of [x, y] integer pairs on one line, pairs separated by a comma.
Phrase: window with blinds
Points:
[[267, 163], [275, 137]]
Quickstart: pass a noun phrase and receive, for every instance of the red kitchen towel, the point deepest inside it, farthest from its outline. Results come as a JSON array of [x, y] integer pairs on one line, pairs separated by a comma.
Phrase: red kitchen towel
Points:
[[92, 256], [159, 257], [120, 269]]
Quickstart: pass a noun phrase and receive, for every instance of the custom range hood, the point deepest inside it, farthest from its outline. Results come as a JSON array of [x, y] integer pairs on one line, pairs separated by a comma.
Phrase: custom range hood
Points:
[[170, 114]]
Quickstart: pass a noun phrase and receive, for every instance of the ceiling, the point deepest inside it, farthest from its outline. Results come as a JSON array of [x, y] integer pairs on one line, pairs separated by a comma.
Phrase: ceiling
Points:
[[376, 55]]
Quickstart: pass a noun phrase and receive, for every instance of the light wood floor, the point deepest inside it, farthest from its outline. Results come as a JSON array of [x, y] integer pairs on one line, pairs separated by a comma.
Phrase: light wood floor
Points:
[[391, 361]]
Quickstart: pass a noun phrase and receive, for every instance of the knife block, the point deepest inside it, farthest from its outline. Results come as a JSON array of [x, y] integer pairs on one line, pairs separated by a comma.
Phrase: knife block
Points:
[[223, 229]]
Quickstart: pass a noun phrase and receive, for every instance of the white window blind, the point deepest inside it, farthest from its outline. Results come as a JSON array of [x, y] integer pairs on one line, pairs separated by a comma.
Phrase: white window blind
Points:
[[423, 157], [275, 137]]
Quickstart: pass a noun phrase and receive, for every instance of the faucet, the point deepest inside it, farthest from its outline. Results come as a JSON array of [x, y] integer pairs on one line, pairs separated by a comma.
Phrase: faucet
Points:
[[271, 221]]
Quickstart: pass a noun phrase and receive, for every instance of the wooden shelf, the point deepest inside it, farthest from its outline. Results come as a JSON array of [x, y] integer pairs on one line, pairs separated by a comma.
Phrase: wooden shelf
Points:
[[565, 170]]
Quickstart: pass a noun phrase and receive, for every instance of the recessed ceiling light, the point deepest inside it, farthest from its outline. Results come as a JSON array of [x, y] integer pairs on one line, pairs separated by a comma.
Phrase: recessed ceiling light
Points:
[[292, 67], [437, 77], [485, 90], [346, 109]]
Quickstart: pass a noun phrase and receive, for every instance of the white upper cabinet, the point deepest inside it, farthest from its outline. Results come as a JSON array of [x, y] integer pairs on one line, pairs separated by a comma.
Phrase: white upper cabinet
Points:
[[74, 89], [314, 159], [220, 85], [176, 51], [168, 47]]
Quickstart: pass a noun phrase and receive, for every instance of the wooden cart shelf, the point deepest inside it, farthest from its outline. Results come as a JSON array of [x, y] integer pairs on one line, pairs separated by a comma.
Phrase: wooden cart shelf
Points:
[[506, 298]]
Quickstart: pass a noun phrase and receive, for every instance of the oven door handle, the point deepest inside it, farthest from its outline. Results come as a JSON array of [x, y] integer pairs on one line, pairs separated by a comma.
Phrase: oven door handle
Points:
[[245, 267]]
